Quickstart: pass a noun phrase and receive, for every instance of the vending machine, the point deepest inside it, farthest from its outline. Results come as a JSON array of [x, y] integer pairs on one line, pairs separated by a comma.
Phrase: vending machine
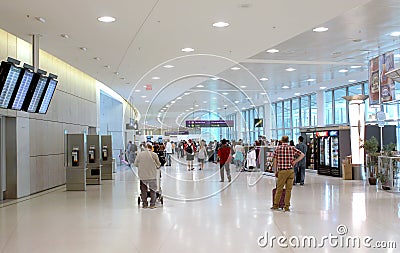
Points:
[[332, 145]]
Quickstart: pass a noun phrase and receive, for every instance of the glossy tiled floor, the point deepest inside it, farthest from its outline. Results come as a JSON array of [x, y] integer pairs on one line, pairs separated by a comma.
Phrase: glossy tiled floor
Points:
[[199, 214]]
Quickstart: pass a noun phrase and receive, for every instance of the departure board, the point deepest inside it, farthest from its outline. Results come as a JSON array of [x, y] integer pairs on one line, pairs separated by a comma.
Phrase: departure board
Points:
[[9, 85], [33, 105], [22, 90], [44, 105]]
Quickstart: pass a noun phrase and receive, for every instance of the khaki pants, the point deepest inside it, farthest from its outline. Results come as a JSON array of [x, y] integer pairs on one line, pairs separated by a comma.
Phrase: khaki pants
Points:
[[285, 178]]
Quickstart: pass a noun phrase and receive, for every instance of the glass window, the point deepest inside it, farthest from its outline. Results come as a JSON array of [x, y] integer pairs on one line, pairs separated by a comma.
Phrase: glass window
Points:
[[305, 111], [287, 117], [340, 106], [296, 112], [355, 90], [328, 108], [279, 113], [314, 110]]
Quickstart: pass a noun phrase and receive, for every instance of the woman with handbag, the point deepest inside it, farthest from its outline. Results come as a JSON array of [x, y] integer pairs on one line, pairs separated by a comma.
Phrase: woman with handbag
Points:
[[202, 155]]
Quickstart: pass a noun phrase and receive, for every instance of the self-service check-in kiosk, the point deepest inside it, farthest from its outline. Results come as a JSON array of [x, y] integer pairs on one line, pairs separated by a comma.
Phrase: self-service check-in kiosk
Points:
[[93, 172], [75, 162], [106, 157]]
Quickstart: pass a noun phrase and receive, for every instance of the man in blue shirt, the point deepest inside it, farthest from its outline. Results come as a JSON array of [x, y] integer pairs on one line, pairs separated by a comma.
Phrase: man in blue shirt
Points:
[[301, 166]]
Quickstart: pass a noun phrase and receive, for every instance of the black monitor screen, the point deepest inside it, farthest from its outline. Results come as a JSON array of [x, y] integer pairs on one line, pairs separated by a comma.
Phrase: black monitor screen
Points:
[[33, 105], [22, 90], [9, 84], [44, 105]]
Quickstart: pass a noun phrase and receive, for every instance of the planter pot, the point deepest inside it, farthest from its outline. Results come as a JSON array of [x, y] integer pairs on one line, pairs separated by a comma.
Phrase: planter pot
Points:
[[386, 188], [372, 181]]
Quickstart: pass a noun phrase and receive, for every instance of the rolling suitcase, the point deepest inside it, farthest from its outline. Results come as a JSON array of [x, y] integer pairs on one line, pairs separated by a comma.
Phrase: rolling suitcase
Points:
[[282, 200]]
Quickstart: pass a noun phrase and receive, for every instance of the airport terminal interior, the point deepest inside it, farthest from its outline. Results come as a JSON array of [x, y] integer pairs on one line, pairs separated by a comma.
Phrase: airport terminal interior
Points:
[[104, 104]]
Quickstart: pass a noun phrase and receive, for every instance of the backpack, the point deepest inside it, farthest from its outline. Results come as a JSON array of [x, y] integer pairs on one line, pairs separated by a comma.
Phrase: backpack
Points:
[[189, 149]]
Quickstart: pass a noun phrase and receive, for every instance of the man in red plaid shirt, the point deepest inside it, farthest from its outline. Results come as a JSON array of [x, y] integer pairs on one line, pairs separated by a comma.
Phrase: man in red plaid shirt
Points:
[[284, 159]]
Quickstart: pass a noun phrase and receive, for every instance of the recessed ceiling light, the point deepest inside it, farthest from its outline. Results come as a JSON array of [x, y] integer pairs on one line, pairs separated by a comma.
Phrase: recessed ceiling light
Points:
[[179, 98], [264, 79], [107, 66], [83, 49], [116, 73], [173, 102], [187, 49], [106, 19], [310, 80], [137, 90], [320, 29], [265, 101], [168, 66], [235, 68], [285, 87], [225, 105], [186, 110], [220, 24], [343, 71], [147, 101], [355, 67], [243, 86], [322, 87], [196, 105], [191, 108], [237, 102], [65, 36], [263, 93], [205, 102], [225, 93], [272, 51], [186, 93], [97, 58], [280, 98], [297, 94], [165, 105], [200, 86], [290, 69], [352, 81], [243, 108], [215, 78], [155, 78], [395, 34], [143, 96], [219, 108]]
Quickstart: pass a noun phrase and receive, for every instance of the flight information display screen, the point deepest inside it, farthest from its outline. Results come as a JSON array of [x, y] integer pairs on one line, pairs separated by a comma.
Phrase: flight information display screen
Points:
[[9, 85], [33, 105], [22, 90], [44, 105]]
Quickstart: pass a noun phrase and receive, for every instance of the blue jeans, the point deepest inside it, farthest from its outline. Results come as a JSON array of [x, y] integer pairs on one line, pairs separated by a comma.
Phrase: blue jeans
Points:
[[302, 168]]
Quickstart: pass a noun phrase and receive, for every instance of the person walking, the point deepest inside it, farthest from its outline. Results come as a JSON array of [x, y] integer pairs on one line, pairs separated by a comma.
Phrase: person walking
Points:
[[168, 152], [224, 153], [202, 155], [190, 150], [130, 155], [239, 155], [300, 167], [284, 158], [148, 166]]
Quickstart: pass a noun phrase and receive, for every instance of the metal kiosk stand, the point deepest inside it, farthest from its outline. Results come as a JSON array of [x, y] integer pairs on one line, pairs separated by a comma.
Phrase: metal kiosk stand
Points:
[[76, 162], [106, 156], [93, 173]]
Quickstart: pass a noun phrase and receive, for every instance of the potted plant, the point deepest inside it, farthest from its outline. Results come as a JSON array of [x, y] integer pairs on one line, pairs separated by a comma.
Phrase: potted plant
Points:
[[371, 158], [386, 163]]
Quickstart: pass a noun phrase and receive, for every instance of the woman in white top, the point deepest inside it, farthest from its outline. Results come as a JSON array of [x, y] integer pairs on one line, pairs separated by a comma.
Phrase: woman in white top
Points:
[[239, 156], [202, 155]]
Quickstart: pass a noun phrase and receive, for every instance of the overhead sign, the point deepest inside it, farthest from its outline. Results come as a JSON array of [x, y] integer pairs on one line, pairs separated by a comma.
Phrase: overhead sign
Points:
[[322, 134], [209, 123], [177, 133]]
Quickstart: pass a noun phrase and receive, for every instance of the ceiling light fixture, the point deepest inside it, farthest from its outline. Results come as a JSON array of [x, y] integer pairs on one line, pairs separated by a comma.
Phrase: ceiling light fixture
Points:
[[106, 19], [263, 79], [187, 49], [297, 94], [272, 51], [40, 19], [243, 86], [243, 108], [179, 98], [186, 93], [237, 102], [290, 69], [205, 102], [225, 93], [395, 34], [285, 87], [352, 81], [235, 68], [280, 98], [147, 101], [355, 67], [83, 49], [173, 102], [155, 78], [221, 24], [320, 29], [343, 70], [97, 58], [215, 78], [65, 36], [200, 86], [143, 96], [322, 87], [107, 66], [137, 90], [263, 93], [310, 80], [168, 66]]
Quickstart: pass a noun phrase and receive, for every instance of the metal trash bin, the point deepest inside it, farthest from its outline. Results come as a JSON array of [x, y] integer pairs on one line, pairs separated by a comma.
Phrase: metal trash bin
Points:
[[358, 172]]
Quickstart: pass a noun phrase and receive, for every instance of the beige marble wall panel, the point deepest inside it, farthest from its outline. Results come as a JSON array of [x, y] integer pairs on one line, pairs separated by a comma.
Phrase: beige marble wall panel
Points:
[[11, 46], [24, 52], [3, 45], [34, 171]]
